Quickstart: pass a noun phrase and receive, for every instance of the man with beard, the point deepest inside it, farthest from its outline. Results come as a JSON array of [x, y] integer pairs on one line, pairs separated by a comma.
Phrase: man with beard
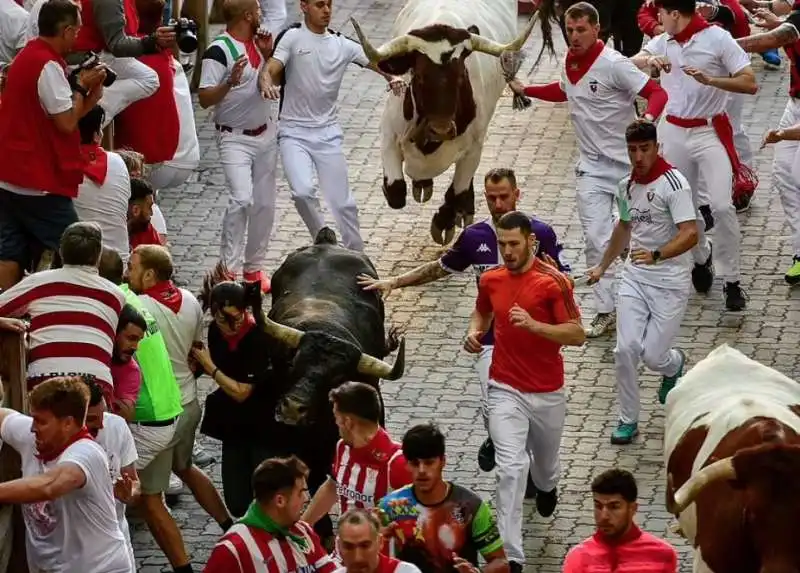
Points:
[[534, 313], [140, 211], [600, 86], [359, 544], [124, 370], [476, 247], [618, 539], [435, 524]]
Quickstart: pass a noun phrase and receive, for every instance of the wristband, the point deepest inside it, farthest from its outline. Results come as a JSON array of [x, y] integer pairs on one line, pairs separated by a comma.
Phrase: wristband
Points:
[[214, 374], [78, 88]]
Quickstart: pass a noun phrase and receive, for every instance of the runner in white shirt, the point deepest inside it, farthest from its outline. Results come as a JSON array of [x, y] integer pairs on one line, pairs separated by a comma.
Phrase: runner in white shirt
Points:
[[699, 64], [658, 220], [13, 29], [600, 86], [358, 543], [246, 138], [66, 491], [308, 130], [112, 433]]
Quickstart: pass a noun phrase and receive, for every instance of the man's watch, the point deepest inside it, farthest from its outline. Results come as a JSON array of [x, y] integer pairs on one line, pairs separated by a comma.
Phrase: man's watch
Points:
[[76, 87], [656, 255]]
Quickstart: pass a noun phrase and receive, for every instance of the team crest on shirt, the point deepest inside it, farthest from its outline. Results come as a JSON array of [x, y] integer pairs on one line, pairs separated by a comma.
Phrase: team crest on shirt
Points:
[[650, 196], [593, 86], [380, 456]]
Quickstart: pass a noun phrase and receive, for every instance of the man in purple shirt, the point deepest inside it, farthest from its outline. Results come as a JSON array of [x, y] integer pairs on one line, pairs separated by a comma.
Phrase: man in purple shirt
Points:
[[476, 247]]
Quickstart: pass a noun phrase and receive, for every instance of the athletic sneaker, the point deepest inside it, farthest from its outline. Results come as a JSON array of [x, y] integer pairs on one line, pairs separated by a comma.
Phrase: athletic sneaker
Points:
[[703, 274], [772, 59], [793, 274], [259, 277], [546, 502], [735, 297], [668, 382], [486, 455], [200, 457], [624, 433], [602, 323]]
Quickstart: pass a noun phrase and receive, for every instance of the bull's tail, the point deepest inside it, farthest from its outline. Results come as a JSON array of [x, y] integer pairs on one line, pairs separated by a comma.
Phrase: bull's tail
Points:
[[325, 236], [393, 339], [547, 12]]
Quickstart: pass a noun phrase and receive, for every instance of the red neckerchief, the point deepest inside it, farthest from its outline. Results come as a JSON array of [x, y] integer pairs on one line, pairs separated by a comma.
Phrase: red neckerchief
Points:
[[253, 54], [235, 338], [696, 24], [657, 170], [82, 434], [95, 162], [578, 65], [167, 294]]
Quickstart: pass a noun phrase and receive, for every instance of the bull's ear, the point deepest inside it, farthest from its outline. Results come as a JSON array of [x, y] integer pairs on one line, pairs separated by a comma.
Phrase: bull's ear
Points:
[[398, 65], [474, 29]]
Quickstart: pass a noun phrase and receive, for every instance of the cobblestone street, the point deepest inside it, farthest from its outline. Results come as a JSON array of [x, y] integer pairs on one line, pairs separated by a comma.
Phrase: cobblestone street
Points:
[[439, 382]]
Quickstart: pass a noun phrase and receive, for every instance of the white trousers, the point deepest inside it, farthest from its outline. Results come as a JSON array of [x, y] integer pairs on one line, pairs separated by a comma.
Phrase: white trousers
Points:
[[135, 81], [521, 423], [741, 142], [786, 172], [273, 15], [596, 183], [305, 150], [648, 320], [164, 176], [699, 155], [249, 164]]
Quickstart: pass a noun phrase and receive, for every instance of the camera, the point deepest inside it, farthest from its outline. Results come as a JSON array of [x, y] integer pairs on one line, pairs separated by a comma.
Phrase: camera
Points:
[[186, 34], [92, 60]]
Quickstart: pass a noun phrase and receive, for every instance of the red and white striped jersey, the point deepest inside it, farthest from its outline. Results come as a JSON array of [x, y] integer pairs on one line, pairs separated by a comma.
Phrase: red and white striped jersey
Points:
[[74, 315], [245, 549], [364, 475]]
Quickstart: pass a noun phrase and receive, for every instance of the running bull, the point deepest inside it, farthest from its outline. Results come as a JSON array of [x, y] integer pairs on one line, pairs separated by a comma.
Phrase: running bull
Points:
[[444, 116], [732, 444]]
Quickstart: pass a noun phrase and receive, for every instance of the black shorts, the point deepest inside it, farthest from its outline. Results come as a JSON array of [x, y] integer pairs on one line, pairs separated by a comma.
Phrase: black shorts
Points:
[[31, 223]]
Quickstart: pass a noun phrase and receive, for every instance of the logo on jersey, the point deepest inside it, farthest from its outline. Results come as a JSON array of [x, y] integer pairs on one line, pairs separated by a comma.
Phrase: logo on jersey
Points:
[[650, 196], [351, 494], [484, 248], [593, 86], [641, 216]]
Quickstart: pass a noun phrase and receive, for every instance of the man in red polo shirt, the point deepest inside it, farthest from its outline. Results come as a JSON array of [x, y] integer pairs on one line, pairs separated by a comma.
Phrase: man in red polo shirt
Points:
[[40, 147], [534, 314]]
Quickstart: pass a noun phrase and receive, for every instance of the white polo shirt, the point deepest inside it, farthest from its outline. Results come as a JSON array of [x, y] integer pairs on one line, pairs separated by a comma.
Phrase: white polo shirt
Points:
[[13, 27], [314, 66], [713, 51], [601, 105], [243, 107]]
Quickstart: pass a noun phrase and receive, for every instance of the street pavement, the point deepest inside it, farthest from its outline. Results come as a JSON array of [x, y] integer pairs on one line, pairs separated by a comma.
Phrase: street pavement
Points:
[[439, 382]]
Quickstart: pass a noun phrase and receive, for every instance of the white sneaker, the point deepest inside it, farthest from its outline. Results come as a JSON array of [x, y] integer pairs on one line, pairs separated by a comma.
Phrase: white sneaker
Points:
[[601, 324], [175, 485]]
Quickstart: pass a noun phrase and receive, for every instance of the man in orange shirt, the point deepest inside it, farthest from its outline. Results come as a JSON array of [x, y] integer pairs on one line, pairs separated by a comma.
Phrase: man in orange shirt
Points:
[[534, 314]]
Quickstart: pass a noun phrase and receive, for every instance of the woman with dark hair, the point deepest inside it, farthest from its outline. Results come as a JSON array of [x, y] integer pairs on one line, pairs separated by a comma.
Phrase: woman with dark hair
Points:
[[239, 412]]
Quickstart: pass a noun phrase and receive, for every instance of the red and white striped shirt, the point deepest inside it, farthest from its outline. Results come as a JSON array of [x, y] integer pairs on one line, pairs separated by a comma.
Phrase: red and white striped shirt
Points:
[[364, 475], [74, 314], [245, 549]]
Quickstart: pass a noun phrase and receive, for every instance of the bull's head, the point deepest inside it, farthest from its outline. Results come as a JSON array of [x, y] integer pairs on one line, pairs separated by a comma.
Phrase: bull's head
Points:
[[767, 477], [435, 56], [321, 362]]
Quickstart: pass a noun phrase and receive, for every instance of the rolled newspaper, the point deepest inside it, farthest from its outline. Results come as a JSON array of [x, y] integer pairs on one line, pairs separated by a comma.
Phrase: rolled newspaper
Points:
[[510, 63]]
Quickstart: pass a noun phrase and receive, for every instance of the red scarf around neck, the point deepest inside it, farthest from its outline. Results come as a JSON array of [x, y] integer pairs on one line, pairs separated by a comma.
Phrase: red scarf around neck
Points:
[[82, 434], [578, 65], [95, 162], [696, 24], [234, 339], [167, 294], [253, 54], [657, 170]]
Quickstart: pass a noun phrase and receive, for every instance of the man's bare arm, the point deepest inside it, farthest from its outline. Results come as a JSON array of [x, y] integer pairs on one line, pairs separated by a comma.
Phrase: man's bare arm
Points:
[[423, 274], [51, 485], [271, 74], [781, 36]]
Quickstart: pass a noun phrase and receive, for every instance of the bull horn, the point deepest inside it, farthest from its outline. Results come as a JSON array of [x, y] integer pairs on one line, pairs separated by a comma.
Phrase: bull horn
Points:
[[371, 366], [286, 334], [487, 46], [685, 496], [395, 47]]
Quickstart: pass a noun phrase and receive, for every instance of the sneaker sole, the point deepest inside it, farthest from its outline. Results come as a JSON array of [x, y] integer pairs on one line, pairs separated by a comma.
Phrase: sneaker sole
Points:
[[792, 281], [618, 441]]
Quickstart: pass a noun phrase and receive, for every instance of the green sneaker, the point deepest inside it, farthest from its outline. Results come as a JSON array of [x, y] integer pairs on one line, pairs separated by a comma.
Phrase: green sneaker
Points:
[[793, 274], [668, 382], [624, 433]]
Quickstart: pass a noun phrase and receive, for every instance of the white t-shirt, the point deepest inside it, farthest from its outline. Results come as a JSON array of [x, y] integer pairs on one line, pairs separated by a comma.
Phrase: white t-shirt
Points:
[[79, 531], [32, 25], [107, 205], [402, 567], [243, 107], [654, 210], [187, 156], [180, 331], [13, 27], [601, 105], [713, 51], [117, 440], [314, 66], [55, 96]]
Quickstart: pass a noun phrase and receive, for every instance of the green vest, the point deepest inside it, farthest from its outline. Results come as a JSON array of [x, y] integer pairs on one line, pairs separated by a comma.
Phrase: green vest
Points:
[[159, 397]]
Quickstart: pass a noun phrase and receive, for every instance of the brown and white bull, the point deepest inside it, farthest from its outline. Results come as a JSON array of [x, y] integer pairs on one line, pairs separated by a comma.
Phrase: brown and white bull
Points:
[[732, 445], [443, 118]]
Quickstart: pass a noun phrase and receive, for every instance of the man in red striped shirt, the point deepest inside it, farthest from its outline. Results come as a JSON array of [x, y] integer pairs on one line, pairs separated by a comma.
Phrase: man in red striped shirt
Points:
[[73, 312], [368, 463], [534, 314], [270, 538]]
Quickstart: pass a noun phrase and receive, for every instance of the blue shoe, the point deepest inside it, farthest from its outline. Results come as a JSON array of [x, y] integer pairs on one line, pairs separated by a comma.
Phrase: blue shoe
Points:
[[624, 434], [668, 382], [772, 59]]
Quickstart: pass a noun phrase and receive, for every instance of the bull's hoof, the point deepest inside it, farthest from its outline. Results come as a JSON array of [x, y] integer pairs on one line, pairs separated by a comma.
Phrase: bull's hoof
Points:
[[422, 190], [395, 193], [464, 205], [443, 226]]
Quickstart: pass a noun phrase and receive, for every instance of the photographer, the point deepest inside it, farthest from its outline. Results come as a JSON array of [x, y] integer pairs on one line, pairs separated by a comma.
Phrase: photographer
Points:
[[40, 156]]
